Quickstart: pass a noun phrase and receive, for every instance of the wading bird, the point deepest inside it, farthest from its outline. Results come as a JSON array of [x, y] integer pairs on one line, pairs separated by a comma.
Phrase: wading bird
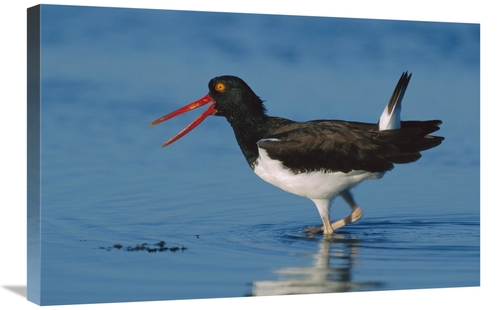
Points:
[[318, 159]]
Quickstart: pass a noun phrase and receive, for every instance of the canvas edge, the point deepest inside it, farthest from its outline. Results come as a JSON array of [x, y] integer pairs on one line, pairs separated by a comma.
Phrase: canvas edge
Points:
[[33, 155]]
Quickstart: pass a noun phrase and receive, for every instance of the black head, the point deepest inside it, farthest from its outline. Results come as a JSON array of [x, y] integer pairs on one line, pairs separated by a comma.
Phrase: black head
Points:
[[228, 96], [234, 98]]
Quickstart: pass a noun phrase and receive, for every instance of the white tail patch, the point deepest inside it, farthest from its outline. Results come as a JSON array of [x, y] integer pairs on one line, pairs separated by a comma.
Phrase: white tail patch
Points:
[[391, 117]]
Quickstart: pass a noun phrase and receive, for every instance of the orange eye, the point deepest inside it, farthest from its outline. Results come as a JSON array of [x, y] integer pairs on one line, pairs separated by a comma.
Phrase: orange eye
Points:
[[220, 87]]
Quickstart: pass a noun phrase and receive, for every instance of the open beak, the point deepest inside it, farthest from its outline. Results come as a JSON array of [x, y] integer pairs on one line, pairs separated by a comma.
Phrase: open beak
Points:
[[187, 108]]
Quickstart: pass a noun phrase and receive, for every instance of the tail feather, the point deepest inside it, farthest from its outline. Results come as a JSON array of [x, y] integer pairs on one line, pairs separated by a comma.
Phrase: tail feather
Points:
[[412, 137], [391, 116]]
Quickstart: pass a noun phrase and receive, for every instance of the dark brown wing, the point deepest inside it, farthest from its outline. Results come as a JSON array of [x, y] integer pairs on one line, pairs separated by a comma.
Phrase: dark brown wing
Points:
[[346, 146]]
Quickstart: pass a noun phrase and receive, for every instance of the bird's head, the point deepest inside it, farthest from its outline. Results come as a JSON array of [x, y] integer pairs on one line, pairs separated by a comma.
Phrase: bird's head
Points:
[[228, 96]]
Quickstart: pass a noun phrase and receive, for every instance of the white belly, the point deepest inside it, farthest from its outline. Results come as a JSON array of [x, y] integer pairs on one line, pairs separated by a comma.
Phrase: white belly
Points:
[[313, 185]]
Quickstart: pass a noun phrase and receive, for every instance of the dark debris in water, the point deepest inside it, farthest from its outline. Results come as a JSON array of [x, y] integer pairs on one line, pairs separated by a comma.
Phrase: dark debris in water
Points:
[[157, 247]]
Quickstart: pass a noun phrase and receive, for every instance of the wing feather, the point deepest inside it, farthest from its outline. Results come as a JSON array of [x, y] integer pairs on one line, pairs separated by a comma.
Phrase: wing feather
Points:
[[347, 146]]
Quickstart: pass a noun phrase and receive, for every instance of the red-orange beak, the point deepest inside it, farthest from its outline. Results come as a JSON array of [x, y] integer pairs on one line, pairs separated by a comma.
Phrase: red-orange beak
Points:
[[187, 108]]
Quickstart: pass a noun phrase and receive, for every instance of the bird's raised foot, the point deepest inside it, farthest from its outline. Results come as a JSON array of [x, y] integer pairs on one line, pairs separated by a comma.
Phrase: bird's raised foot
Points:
[[355, 215]]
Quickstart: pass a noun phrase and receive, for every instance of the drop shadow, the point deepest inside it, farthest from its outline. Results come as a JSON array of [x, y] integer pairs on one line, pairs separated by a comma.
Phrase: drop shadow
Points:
[[20, 290]]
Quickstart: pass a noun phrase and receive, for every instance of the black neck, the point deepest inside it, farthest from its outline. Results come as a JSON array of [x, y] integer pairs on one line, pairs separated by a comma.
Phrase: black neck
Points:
[[248, 131]]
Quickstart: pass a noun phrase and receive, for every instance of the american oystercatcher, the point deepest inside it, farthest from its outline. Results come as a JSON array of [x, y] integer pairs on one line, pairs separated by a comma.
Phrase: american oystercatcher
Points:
[[318, 159]]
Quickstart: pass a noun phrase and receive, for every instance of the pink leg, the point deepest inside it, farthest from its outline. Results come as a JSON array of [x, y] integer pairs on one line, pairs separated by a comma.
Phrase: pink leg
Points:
[[355, 215]]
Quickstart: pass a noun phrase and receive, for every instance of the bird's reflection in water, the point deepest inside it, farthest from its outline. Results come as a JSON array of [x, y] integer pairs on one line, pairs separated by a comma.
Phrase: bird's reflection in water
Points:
[[331, 271]]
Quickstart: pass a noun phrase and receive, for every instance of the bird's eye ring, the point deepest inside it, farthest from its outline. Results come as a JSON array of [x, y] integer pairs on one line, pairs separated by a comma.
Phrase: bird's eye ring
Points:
[[220, 87]]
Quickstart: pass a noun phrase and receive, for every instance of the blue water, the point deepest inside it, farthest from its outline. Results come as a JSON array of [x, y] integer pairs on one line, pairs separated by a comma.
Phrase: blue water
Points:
[[107, 73]]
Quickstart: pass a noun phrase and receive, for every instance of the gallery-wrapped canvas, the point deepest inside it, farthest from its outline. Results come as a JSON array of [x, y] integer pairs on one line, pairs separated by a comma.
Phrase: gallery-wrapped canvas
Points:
[[114, 217]]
